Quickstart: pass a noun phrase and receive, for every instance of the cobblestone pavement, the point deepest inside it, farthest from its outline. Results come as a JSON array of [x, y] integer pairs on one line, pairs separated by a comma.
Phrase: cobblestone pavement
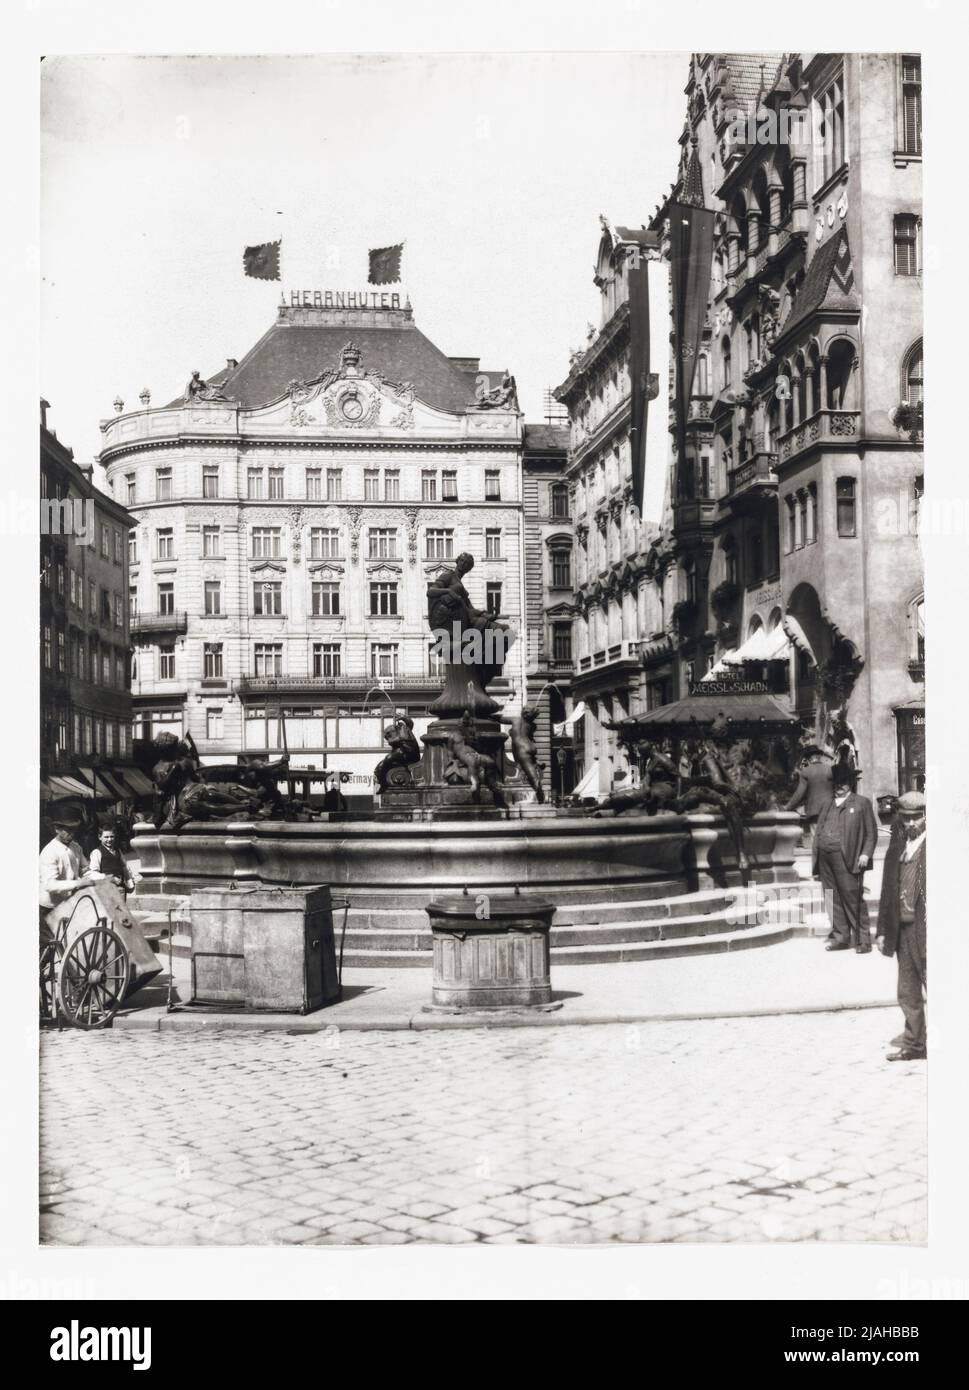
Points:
[[772, 1129]]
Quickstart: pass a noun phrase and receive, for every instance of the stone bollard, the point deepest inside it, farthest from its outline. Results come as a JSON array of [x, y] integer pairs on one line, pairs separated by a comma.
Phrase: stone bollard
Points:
[[491, 953]]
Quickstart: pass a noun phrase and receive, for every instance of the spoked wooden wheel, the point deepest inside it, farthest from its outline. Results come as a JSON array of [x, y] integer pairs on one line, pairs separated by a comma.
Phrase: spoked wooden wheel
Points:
[[50, 954], [94, 975]]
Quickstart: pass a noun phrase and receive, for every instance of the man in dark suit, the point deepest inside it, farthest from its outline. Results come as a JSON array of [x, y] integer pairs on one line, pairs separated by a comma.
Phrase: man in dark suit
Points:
[[901, 921], [813, 791], [844, 845]]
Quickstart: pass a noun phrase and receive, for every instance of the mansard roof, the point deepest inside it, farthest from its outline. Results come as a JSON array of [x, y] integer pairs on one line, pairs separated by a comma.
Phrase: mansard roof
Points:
[[305, 342]]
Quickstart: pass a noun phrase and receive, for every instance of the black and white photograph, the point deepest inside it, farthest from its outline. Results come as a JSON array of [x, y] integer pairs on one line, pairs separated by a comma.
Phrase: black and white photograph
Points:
[[482, 791]]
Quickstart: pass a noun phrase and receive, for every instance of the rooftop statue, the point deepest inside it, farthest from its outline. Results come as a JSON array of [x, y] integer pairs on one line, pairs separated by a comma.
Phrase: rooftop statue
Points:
[[199, 390], [503, 397]]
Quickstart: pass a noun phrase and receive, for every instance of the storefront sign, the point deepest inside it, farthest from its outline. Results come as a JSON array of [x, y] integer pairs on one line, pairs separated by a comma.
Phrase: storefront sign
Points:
[[761, 596], [728, 687], [340, 299]]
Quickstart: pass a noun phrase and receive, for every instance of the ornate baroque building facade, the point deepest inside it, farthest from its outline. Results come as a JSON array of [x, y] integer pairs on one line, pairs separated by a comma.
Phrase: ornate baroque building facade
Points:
[[290, 513], [795, 517], [623, 595]]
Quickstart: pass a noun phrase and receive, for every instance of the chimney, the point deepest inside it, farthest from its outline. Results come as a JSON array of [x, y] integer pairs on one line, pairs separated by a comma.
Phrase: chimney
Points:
[[44, 407], [466, 364], [231, 362]]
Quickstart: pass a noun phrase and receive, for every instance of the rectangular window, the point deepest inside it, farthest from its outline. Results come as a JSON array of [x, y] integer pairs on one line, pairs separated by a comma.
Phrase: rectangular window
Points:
[[911, 114], [326, 599], [812, 513], [440, 545], [266, 542], [428, 486], [907, 250], [92, 659], [106, 669], [324, 543], [210, 480], [213, 723], [382, 543], [130, 489], [61, 652], [435, 661], [371, 484], [847, 521], [92, 598], [211, 541], [88, 733], [163, 484], [334, 484], [119, 679], [326, 659], [314, 484], [166, 599], [166, 663], [132, 546], [493, 545], [383, 659], [118, 611], [212, 661], [383, 600], [118, 552], [133, 601], [492, 485], [213, 598], [254, 484], [105, 543], [449, 485], [277, 484], [791, 523], [267, 598], [105, 606], [562, 641], [561, 569], [391, 484], [559, 496], [165, 544], [269, 658], [493, 598]]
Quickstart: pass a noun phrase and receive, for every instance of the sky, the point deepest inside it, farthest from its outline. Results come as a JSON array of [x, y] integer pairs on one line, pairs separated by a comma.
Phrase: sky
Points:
[[492, 168]]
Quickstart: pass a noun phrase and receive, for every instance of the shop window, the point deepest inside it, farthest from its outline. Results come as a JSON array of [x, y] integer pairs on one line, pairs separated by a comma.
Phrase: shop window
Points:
[[847, 507]]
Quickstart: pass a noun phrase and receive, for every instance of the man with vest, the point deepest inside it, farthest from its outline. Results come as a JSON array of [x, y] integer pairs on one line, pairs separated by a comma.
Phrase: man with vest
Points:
[[901, 921], [844, 846], [813, 791], [107, 859]]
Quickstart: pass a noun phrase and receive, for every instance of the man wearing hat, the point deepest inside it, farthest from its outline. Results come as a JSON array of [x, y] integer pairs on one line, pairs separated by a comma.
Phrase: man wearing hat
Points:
[[813, 791], [901, 921], [63, 865], [844, 845]]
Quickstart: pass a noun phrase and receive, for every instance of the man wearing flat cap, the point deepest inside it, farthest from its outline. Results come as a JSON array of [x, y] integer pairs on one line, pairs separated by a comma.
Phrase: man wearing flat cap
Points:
[[63, 864], [844, 846], [901, 921]]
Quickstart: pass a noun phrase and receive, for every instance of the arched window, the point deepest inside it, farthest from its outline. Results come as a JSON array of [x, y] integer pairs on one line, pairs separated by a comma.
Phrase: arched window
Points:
[[739, 214], [702, 387], [725, 373], [912, 374], [754, 625], [841, 357]]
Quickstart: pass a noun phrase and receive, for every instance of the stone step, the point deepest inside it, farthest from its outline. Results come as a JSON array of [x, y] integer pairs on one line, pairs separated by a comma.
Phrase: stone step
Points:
[[604, 954]]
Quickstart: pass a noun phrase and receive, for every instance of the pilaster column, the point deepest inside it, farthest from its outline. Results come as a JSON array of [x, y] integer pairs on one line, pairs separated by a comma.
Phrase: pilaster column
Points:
[[753, 237], [795, 399], [823, 384]]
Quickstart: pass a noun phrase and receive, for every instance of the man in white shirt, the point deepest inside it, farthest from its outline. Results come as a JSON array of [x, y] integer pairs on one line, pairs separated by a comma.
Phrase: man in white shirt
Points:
[[63, 864]]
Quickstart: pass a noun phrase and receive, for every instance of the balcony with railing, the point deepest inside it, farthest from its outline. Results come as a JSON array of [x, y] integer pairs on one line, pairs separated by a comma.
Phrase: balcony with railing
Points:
[[158, 624], [823, 427], [306, 685], [616, 654], [757, 475]]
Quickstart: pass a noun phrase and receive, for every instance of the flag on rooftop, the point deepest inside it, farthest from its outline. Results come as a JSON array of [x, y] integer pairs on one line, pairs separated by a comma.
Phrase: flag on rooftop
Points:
[[385, 265], [262, 262]]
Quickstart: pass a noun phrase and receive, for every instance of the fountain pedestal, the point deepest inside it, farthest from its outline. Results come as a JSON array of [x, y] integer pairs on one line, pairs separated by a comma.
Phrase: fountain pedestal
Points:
[[435, 790]]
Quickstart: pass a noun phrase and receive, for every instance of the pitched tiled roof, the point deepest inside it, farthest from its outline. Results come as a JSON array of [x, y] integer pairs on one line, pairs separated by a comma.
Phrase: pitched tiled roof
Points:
[[545, 437], [299, 351], [744, 72], [829, 268]]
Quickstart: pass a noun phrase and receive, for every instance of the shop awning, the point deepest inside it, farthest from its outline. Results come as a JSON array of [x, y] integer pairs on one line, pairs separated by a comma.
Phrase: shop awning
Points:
[[589, 785], [761, 646], [570, 721], [67, 786], [798, 636], [754, 710]]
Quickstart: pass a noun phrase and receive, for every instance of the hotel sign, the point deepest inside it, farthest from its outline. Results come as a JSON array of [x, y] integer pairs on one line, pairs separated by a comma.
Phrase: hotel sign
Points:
[[340, 299], [728, 687]]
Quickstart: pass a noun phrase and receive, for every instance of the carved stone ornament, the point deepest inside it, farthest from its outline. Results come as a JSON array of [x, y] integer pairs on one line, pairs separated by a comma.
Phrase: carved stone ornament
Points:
[[295, 518], [354, 519]]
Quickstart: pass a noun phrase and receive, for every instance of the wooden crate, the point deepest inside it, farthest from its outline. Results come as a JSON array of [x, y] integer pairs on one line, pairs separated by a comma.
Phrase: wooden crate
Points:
[[266, 949]]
